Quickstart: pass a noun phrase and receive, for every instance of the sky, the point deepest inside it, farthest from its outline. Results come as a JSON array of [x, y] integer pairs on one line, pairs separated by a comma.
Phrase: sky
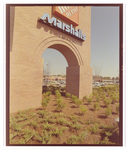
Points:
[[104, 44]]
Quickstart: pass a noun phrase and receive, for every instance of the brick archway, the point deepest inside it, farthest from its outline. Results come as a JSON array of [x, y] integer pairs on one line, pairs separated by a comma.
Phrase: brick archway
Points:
[[29, 38], [73, 57]]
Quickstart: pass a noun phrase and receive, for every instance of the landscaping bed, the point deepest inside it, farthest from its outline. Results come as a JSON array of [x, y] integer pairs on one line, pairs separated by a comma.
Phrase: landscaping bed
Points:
[[66, 120]]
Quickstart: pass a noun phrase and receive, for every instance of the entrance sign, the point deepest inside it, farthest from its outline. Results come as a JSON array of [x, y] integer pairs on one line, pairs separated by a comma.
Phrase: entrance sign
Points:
[[68, 13], [59, 25]]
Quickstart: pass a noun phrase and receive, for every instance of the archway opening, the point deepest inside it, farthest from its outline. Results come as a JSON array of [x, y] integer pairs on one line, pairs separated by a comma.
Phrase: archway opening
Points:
[[54, 70]]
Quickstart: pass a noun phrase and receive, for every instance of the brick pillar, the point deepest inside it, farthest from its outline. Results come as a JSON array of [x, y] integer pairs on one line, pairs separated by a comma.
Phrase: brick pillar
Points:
[[79, 81], [72, 80]]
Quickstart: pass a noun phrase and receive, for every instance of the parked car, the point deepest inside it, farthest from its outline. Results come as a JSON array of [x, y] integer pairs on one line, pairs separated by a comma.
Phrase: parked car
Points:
[[93, 85]]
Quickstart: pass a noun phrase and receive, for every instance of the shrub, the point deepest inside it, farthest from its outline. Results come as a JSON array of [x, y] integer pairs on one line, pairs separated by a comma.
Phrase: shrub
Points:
[[107, 101], [108, 111], [114, 99], [56, 92], [94, 93], [45, 95], [73, 118], [57, 132], [83, 109], [49, 120], [78, 102], [63, 88], [47, 126], [42, 113], [68, 95], [76, 126], [94, 128], [58, 95], [72, 140], [91, 95], [74, 98], [82, 136], [85, 98], [89, 100], [62, 121], [44, 103], [59, 100], [60, 104], [98, 98], [117, 108], [47, 99], [49, 93], [34, 124], [96, 106], [104, 96], [44, 138]]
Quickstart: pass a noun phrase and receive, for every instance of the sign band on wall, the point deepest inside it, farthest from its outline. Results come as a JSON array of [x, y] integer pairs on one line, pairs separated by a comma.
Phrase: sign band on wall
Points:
[[59, 25]]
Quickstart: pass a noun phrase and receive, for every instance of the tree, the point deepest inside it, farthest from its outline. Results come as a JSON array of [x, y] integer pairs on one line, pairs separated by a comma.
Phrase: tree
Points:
[[97, 71], [47, 71]]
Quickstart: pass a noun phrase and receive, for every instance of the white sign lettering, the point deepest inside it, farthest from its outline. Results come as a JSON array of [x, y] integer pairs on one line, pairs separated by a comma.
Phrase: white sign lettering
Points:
[[57, 24]]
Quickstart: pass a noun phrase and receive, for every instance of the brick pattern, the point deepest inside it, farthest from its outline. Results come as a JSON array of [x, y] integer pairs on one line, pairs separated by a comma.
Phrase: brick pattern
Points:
[[29, 38]]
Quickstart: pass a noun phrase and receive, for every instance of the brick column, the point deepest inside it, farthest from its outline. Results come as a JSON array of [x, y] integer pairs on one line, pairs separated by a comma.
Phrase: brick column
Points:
[[79, 81], [72, 80]]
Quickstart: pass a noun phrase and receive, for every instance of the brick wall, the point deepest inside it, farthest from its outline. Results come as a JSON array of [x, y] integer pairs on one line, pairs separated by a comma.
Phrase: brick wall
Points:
[[29, 38]]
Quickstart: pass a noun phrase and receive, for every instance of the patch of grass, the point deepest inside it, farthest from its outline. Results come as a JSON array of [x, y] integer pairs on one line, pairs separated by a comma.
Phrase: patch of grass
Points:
[[47, 126], [29, 136], [94, 129], [89, 100], [17, 127], [83, 109], [68, 95], [107, 101], [11, 136], [33, 115], [57, 132], [42, 113], [114, 99], [57, 93], [104, 142], [104, 96], [76, 126], [44, 103], [60, 104], [73, 98], [98, 99], [78, 102], [34, 124], [117, 108], [47, 99], [96, 106], [82, 136], [62, 121], [74, 139], [85, 98], [44, 138], [108, 111], [90, 121], [21, 141], [49, 120], [74, 119]]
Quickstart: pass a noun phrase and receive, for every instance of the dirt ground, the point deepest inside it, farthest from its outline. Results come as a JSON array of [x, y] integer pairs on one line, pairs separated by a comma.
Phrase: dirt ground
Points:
[[72, 114]]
